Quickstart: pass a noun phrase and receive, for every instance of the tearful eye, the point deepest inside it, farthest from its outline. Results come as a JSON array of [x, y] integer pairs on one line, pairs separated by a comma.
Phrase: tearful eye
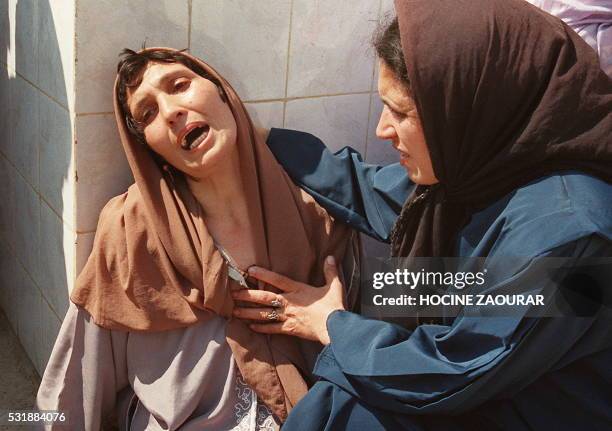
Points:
[[181, 85], [395, 113], [147, 116]]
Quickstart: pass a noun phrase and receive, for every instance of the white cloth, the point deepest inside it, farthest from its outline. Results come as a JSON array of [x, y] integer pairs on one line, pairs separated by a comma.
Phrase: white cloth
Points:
[[184, 379], [591, 19]]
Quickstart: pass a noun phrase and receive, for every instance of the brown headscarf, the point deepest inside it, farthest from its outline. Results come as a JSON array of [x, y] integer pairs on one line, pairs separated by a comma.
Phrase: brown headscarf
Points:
[[154, 265], [506, 94]]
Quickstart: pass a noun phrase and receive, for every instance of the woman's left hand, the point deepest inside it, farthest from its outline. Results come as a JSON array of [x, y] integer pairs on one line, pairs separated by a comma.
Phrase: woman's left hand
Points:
[[301, 310]]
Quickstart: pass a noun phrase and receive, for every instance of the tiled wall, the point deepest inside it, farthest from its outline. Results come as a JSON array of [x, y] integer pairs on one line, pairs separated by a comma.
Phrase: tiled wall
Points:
[[37, 217], [301, 64]]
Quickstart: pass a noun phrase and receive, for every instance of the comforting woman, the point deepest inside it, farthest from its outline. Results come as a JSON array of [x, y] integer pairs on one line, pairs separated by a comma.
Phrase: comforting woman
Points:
[[502, 117]]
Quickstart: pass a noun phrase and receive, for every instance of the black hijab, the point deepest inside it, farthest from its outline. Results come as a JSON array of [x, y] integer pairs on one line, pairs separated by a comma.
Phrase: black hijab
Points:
[[506, 94]]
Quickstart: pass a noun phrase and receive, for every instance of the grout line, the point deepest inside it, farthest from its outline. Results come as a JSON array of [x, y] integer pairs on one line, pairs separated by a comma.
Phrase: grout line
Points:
[[288, 60], [17, 74], [31, 277], [282, 99], [365, 156], [318, 96], [88, 114], [189, 9], [84, 232], [40, 89], [42, 198]]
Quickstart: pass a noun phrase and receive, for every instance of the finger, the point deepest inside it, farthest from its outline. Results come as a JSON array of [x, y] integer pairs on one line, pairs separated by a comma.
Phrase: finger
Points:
[[270, 328], [251, 313], [330, 271], [255, 296], [272, 278]]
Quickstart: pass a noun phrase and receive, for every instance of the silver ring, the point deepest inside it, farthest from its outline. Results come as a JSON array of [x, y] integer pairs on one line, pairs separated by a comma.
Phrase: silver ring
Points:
[[276, 303], [272, 316]]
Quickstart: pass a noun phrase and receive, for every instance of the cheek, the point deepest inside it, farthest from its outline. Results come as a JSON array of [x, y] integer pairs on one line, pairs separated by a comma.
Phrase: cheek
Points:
[[409, 136], [155, 137]]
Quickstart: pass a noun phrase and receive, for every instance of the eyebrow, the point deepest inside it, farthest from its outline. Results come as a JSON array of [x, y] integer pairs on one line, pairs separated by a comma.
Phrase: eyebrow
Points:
[[158, 83]]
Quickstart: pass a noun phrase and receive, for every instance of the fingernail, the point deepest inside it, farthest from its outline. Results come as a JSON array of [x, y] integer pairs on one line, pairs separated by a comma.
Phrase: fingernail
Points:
[[253, 270], [330, 260]]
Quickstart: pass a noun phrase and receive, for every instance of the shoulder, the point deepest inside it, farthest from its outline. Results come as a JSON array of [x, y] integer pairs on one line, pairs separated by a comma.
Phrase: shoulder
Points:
[[561, 192], [128, 202], [541, 215], [123, 215], [276, 136], [582, 197]]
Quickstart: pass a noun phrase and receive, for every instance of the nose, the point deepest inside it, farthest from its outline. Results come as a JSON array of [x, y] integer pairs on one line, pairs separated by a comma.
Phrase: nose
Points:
[[385, 129], [169, 109]]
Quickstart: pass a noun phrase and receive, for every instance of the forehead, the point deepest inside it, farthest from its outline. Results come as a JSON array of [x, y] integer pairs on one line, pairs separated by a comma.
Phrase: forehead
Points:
[[390, 87], [154, 75]]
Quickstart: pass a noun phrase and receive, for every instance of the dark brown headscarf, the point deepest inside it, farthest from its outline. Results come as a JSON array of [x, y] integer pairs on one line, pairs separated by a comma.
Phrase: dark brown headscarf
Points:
[[506, 94], [155, 267]]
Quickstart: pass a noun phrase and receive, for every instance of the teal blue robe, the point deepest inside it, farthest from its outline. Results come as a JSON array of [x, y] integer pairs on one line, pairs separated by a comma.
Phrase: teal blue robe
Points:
[[510, 373]]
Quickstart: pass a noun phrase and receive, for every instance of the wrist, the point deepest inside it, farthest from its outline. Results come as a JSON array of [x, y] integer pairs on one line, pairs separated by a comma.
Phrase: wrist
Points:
[[324, 337]]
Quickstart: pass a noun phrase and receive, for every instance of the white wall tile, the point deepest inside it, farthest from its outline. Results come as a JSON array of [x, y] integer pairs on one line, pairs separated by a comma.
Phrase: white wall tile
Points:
[[245, 41], [337, 120], [24, 125], [7, 269], [7, 203], [5, 104], [57, 182], [330, 46], [26, 39], [57, 257], [378, 151], [387, 8], [14, 275], [50, 328], [9, 33], [56, 49], [6, 27], [83, 249], [29, 319], [105, 27], [102, 169], [27, 225], [266, 115]]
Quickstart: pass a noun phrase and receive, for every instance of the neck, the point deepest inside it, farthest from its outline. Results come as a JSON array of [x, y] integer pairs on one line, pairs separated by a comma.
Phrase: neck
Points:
[[221, 194]]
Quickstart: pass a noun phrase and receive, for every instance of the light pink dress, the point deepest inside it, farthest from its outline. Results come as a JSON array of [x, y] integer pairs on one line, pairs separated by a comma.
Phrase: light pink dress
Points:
[[591, 19], [184, 379]]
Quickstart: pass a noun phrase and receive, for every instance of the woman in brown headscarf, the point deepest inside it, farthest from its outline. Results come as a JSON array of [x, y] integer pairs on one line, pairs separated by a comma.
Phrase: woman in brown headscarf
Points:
[[148, 341], [503, 119]]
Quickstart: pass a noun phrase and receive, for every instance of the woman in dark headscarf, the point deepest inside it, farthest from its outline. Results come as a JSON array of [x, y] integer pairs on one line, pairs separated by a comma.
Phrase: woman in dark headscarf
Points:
[[503, 119]]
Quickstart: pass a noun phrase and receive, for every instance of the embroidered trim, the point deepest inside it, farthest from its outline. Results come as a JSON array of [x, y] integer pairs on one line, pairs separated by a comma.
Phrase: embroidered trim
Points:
[[251, 414]]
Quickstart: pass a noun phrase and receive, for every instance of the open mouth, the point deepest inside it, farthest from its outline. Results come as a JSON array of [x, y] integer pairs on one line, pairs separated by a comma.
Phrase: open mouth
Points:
[[195, 137]]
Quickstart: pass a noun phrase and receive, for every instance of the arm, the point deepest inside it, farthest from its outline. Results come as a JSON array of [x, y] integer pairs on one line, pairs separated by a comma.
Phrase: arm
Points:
[[436, 369], [450, 369], [366, 197], [85, 371]]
